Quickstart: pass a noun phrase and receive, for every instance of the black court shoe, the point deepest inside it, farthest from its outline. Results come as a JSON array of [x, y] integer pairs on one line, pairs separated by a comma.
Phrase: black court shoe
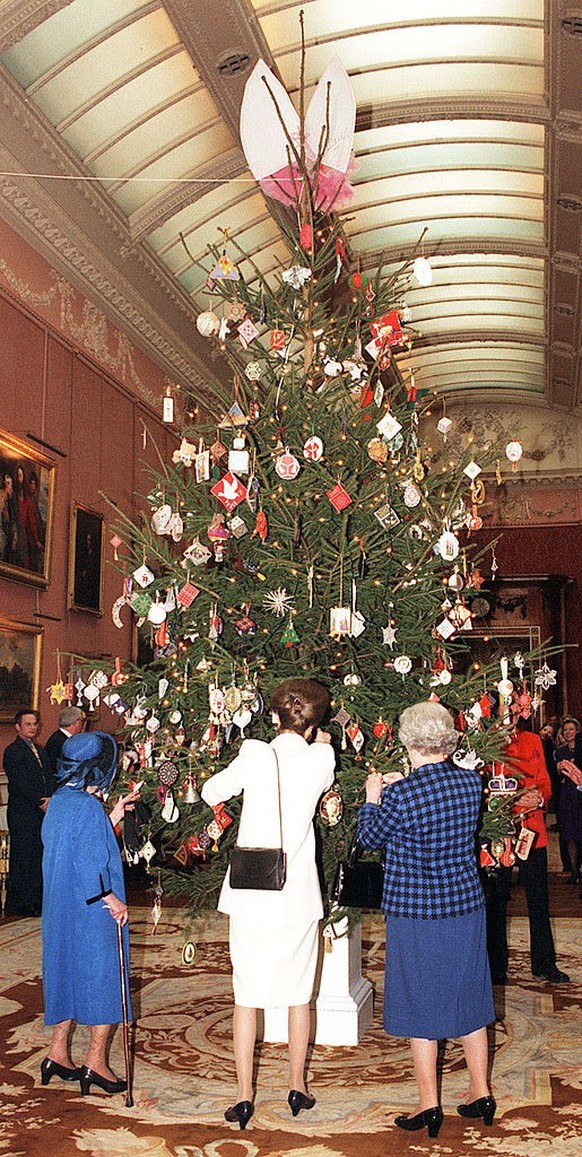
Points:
[[241, 1112], [432, 1118], [298, 1101], [483, 1107], [89, 1077], [50, 1069]]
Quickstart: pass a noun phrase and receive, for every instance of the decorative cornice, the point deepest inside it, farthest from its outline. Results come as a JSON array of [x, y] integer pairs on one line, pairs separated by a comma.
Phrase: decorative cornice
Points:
[[19, 17]]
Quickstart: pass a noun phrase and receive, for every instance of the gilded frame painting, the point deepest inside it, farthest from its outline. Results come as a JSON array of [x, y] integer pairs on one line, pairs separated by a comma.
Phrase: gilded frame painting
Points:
[[86, 546], [27, 482], [20, 656]]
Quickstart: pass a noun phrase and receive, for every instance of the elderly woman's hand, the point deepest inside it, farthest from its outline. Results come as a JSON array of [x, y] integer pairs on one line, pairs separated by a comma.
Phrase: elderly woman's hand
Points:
[[374, 785], [116, 908]]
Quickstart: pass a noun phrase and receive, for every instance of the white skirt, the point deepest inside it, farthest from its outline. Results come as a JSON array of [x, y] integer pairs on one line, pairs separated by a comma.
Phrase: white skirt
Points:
[[273, 967]]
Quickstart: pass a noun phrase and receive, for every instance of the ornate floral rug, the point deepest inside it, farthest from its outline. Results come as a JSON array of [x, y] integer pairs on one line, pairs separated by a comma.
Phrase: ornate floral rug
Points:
[[184, 1069]]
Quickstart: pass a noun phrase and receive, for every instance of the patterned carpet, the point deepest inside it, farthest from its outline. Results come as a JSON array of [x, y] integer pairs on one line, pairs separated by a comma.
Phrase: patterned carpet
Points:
[[184, 1070]]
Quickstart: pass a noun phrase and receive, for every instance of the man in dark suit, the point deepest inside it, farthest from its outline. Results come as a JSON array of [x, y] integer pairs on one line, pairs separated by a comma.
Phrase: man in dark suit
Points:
[[71, 722], [30, 785]]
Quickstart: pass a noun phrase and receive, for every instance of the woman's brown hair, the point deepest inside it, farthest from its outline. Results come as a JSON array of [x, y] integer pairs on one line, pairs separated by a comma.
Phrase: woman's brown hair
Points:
[[300, 703]]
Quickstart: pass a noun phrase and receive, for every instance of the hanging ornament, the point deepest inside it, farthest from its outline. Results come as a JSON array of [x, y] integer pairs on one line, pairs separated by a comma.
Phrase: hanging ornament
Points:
[[278, 602], [356, 736], [339, 497], [388, 426], [472, 470], [254, 371], [143, 576], [422, 271], [411, 496], [245, 626], [289, 636], [504, 686], [313, 448], [229, 490], [168, 406], [377, 450], [208, 323], [261, 526], [514, 451], [447, 546], [545, 678], [444, 425], [196, 553], [403, 665], [389, 635], [287, 466], [116, 542], [387, 516], [247, 332], [277, 340], [331, 807], [339, 621]]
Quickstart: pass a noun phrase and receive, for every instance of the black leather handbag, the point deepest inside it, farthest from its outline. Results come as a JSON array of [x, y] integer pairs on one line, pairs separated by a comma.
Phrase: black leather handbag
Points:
[[358, 883], [263, 869]]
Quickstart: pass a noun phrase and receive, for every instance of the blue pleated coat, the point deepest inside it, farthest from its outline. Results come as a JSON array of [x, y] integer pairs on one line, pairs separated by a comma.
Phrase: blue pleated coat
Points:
[[81, 864]]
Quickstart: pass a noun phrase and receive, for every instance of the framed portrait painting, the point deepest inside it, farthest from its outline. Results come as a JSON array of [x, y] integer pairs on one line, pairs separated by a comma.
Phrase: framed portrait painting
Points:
[[20, 648], [87, 533], [27, 478]]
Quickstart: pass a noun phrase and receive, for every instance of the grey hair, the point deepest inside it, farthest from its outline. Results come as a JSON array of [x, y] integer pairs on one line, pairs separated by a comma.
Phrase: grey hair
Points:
[[68, 715], [428, 728]]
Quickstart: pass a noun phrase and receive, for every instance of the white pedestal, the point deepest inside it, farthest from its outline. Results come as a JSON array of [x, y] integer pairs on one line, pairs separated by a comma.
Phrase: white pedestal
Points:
[[342, 1012]]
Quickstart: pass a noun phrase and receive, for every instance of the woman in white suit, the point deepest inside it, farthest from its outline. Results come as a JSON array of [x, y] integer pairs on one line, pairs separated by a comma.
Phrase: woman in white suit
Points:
[[274, 936]]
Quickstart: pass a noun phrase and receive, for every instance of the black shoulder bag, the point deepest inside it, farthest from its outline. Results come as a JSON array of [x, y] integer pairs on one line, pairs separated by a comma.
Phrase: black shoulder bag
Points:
[[358, 883], [261, 869]]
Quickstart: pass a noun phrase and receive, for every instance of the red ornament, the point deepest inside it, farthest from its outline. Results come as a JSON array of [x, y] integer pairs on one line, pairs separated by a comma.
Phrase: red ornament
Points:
[[261, 526], [277, 339], [305, 236], [229, 490], [339, 497]]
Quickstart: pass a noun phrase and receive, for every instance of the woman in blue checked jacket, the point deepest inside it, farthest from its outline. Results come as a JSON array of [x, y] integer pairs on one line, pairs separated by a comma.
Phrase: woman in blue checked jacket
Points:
[[438, 983]]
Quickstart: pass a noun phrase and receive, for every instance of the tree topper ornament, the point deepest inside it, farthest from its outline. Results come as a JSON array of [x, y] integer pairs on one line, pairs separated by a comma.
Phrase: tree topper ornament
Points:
[[281, 151]]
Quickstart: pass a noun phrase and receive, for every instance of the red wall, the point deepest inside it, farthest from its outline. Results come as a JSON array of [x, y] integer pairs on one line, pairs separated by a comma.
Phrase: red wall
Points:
[[51, 390]]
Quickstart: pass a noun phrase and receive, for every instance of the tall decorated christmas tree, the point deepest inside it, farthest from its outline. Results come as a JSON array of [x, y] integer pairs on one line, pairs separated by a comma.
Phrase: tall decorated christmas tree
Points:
[[306, 526]]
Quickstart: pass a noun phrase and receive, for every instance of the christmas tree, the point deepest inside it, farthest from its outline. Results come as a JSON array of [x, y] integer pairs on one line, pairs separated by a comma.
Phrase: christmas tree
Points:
[[305, 527]]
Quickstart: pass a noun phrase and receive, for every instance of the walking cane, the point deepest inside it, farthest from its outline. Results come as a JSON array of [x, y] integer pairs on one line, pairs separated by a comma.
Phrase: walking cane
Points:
[[129, 1098]]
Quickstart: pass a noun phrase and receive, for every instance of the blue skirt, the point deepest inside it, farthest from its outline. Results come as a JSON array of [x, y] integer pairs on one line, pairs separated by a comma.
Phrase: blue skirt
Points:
[[438, 983]]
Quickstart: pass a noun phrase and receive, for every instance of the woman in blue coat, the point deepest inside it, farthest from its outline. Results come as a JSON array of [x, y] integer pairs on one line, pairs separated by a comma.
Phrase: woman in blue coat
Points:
[[84, 900]]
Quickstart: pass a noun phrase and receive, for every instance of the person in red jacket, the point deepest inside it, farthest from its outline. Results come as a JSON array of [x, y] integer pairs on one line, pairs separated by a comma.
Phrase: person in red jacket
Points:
[[524, 755]]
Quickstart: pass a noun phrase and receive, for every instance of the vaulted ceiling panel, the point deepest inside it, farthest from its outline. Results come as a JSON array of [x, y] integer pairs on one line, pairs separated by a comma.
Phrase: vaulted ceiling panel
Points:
[[468, 135]]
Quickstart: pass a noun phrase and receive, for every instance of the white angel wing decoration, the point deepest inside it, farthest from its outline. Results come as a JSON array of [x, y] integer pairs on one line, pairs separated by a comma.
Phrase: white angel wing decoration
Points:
[[270, 132]]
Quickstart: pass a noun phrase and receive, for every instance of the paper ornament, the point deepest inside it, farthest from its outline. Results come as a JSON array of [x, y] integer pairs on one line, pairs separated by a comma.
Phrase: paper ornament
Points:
[[187, 594], [161, 519], [277, 340], [238, 461], [202, 466], [447, 546], [377, 450], [388, 426], [197, 553], [186, 454], [472, 470], [143, 576], [331, 807], [387, 516], [247, 332], [287, 466], [229, 490], [253, 371], [339, 497], [237, 526], [411, 496], [313, 449], [444, 425], [289, 635]]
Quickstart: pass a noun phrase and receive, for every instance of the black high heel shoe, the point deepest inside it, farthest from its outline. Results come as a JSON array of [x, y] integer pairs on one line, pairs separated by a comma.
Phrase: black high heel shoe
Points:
[[89, 1077], [241, 1112], [432, 1118], [298, 1101], [50, 1069], [483, 1107]]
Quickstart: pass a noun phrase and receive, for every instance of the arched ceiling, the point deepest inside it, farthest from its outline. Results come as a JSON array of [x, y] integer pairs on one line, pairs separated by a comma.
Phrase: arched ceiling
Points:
[[119, 138]]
